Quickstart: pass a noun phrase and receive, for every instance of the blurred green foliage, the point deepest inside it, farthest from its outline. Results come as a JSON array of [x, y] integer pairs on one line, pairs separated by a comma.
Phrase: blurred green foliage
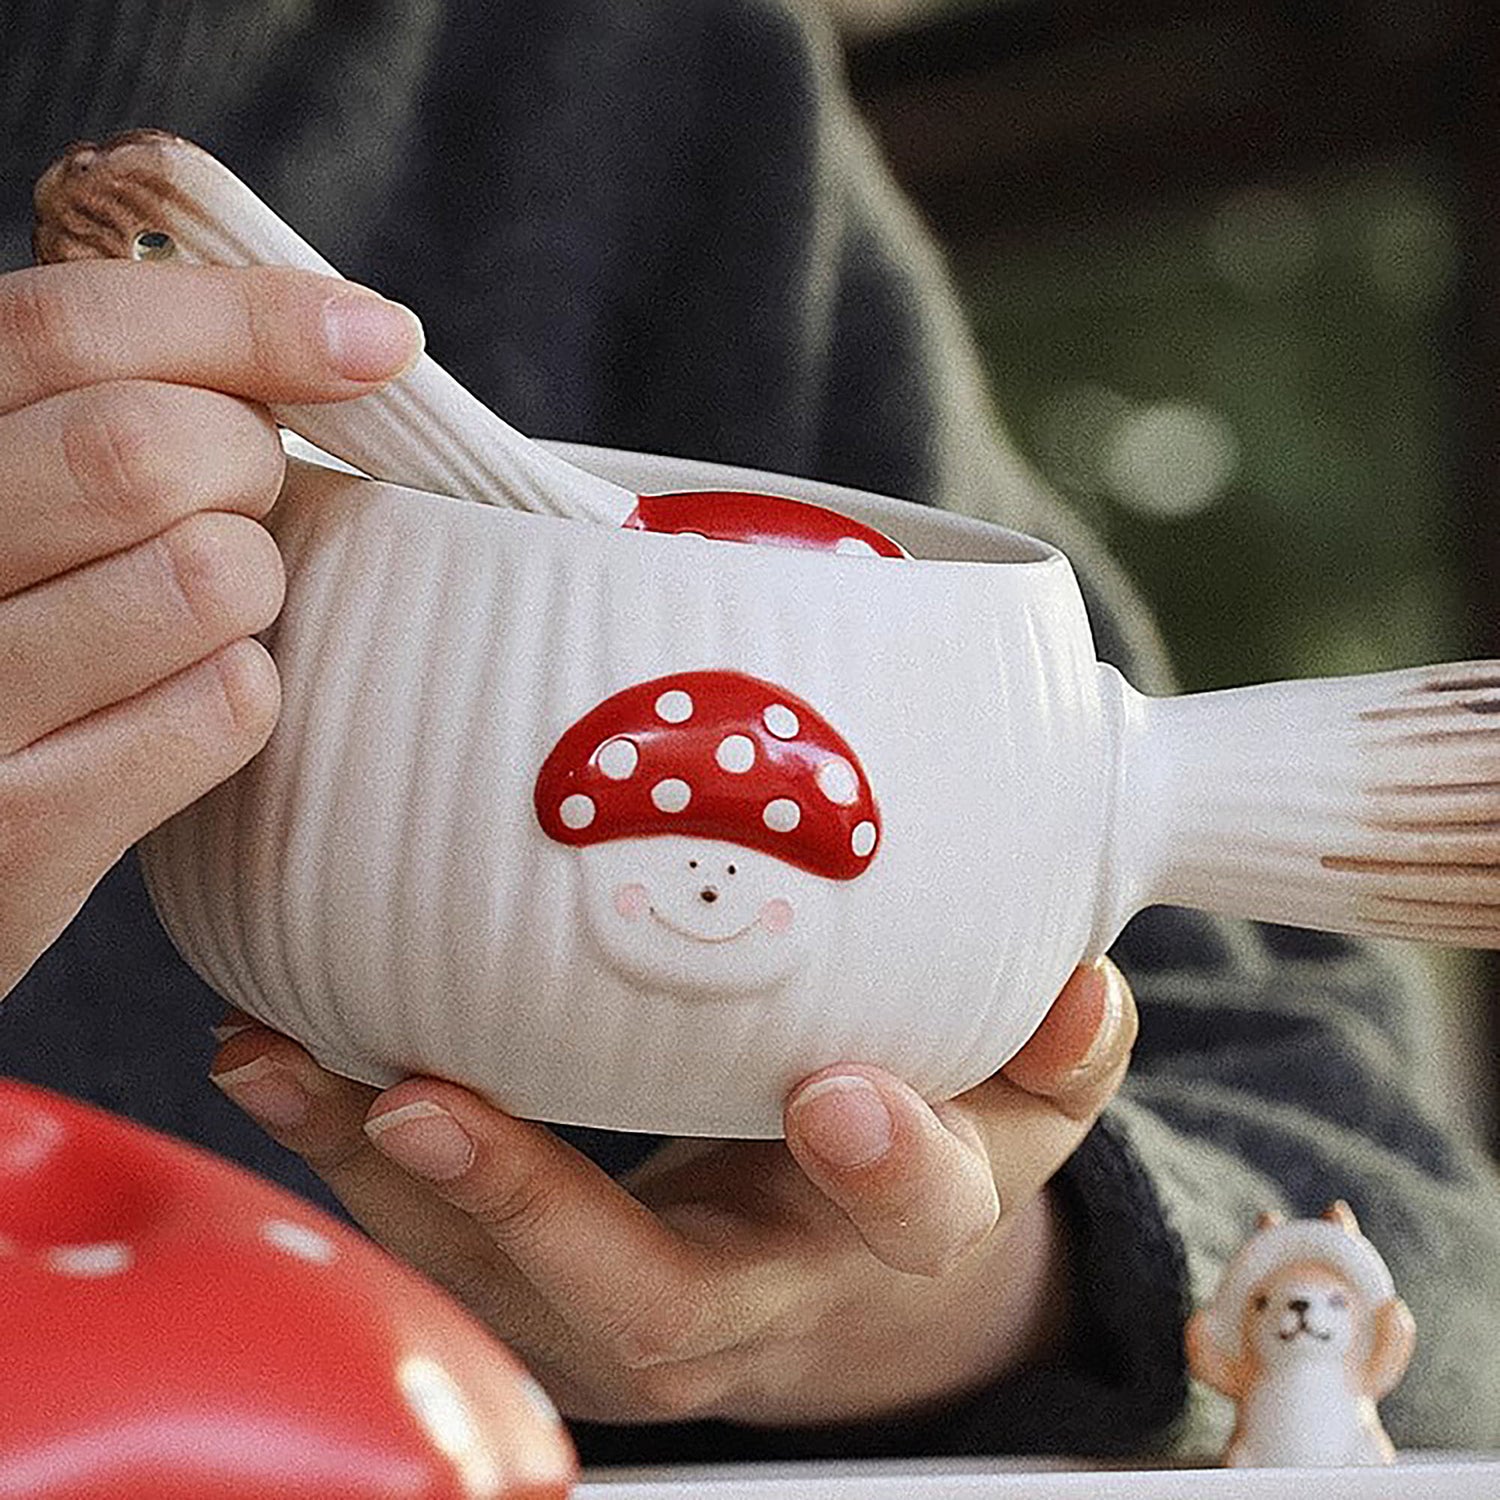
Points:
[[1249, 398]]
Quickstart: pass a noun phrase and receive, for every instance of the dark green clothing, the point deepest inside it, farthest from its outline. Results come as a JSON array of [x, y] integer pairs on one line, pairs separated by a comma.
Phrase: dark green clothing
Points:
[[659, 226]]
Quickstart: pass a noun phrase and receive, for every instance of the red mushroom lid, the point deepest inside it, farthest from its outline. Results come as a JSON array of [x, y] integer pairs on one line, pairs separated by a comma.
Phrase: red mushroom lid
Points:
[[765, 520], [717, 755], [174, 1328]]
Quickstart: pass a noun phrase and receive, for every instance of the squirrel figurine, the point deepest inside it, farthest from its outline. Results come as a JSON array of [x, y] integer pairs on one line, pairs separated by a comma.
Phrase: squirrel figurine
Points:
[[1305, 1334]]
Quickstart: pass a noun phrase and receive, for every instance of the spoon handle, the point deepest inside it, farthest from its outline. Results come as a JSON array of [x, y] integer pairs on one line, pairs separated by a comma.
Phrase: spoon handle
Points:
[[148, 195]]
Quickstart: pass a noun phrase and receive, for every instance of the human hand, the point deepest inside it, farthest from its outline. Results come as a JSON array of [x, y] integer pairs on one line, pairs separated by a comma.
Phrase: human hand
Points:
[[133, 571], [888, 1257]]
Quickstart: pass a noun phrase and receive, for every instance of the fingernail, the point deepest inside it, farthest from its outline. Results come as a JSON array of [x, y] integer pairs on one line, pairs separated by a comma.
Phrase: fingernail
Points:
[[424, 1139], [265, 1092], [843, 1121], [1109, 1022], [368, 337], [224, 1032]]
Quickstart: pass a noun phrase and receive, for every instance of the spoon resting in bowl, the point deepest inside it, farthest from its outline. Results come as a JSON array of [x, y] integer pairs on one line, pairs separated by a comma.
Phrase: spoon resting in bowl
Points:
[[151, 196]]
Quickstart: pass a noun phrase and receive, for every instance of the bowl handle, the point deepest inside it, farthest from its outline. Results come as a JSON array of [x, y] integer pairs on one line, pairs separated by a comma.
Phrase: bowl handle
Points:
[[1365, 804]]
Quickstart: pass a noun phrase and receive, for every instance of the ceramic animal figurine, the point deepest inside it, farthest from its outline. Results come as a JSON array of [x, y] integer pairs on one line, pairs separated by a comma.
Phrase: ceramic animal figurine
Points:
[[1305, 1334], [636, 830], [174, 1328]]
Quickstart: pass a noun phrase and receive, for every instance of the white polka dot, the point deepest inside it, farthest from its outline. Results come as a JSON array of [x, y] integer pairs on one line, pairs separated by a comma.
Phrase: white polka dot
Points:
[[782, 722], [854, 546], [7, 1247], [299, 1240], [736, 753], [671, 795], [676, 707], [837, 781], [438, 1402], [863, 840], [782, 815], [577, 811], [91, 1260], [618, 758]]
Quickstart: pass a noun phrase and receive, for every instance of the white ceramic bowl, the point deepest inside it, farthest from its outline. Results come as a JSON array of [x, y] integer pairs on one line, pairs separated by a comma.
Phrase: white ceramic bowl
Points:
[[916, 798]]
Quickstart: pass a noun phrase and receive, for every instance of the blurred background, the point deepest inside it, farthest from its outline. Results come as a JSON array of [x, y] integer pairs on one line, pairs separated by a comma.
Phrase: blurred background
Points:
[[1235, 270]]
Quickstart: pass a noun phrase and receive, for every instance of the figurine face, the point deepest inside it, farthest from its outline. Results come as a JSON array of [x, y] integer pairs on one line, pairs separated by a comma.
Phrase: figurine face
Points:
[[1304, 1314], [701, 916]]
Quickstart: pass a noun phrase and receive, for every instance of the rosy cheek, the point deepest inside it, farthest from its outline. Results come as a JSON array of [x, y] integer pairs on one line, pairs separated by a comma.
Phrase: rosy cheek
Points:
[[631, 902], [776, 915]]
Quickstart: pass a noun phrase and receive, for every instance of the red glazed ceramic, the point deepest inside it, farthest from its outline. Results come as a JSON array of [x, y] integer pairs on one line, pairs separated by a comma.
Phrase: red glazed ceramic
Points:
[[174, 1328]]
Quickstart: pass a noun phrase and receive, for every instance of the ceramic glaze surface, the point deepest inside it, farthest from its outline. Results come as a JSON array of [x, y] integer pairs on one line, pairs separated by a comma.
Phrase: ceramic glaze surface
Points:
[[388, 883], [512, 832], [176, 1328]]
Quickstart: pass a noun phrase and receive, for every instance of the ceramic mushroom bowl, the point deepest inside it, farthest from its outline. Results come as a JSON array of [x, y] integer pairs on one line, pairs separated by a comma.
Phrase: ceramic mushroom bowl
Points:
[[642, 790], [638, 830]]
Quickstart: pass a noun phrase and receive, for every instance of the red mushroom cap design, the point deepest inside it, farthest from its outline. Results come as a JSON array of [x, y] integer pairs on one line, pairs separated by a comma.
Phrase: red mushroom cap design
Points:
[[174, 1328], [717, 755], [763, 520]]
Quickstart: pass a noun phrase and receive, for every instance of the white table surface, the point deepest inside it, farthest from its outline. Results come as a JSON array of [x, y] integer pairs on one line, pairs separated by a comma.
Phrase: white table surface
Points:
[[1418, 1476]]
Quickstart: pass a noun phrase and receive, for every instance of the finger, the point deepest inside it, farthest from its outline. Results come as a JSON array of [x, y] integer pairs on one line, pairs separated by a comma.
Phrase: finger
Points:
[[924, 1185], [320, 1116], [919, 1191], [132, 620], [560, 1220], [95, 471], [270, 334], [1030, 1117], [1076, 1056], [72, 803]]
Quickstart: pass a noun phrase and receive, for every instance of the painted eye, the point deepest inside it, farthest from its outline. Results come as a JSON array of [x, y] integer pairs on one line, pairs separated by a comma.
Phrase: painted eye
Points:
[[152, 244], [733, 871], [692, 864], [1262, 1302]]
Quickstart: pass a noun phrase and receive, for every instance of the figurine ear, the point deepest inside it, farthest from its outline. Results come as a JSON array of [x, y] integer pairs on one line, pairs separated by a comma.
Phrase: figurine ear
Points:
[[1338, 1212], [1270, 1219]]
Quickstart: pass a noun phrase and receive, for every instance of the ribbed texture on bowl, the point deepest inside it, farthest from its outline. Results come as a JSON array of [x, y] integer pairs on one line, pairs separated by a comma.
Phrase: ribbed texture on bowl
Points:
[[1362, 804], [376, 883]]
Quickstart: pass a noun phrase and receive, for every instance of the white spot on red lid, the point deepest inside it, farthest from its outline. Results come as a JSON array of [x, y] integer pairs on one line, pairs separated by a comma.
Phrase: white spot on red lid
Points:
[[438, 1402], [576, 811], [782, 815], [91, 1261], [736, 753], [299, 1240], [837, 781], [671, 795], [862, 840], [782, 722], [674, 706], [854, 546], [618, 758]]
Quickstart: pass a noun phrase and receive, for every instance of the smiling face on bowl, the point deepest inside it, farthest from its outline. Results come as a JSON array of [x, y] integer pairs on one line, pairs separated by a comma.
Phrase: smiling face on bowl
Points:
[[700, 916]]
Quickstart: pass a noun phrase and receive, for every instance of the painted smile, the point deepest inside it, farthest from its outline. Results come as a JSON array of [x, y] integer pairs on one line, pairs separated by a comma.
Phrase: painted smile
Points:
[[698, 937], [1304, 1328]]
